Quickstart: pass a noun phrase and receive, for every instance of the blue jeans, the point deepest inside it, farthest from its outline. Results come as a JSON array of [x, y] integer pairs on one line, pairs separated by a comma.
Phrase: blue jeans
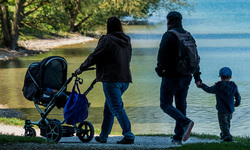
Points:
[[175, 87], [113, 107]]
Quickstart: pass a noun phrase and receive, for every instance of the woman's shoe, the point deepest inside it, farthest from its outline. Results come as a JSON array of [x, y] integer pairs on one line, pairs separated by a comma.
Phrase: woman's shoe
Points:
[[126, 141], [97, 138]]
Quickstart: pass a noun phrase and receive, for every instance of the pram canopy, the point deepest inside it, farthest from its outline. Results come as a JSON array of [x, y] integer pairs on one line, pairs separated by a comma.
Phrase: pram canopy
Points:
[[51, 73]]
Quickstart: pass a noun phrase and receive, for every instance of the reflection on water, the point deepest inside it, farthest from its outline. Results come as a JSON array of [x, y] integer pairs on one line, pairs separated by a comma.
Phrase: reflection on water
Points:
[[224, 46]]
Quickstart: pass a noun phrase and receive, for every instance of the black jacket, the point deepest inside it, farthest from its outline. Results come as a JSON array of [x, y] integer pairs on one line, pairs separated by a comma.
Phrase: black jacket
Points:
[[168, 55], [225, 93], [112, 57]]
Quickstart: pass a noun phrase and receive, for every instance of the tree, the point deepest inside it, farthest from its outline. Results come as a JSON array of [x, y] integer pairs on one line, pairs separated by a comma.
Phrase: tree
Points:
[[84, 14], [5, 23], [71, 15], [11, 26]]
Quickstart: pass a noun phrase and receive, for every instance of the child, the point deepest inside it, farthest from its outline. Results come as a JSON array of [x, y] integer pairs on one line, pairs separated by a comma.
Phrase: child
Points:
[[225, 91], [61, 99]]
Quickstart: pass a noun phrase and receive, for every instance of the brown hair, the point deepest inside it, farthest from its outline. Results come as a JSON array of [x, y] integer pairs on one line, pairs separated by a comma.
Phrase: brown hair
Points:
[[114, 25]]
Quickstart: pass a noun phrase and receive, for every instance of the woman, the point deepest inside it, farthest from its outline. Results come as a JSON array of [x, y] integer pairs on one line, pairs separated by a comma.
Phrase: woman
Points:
[[112, 57]]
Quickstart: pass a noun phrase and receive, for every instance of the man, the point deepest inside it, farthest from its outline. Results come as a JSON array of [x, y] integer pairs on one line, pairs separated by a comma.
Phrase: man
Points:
[[174, 84]]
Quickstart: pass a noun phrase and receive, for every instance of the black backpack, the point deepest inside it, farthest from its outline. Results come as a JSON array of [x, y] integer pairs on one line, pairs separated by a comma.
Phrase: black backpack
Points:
[[188, 59]]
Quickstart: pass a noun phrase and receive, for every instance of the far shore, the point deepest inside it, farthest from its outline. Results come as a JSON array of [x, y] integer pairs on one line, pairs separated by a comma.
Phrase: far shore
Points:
[[38, 46]]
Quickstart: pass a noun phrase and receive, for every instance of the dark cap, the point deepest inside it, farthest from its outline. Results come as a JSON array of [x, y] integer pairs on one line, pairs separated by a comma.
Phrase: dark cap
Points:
[[225, 72], [174, 16]]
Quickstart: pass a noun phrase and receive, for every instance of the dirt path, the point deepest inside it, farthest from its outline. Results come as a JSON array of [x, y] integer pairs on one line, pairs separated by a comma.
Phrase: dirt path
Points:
[[141, 142]]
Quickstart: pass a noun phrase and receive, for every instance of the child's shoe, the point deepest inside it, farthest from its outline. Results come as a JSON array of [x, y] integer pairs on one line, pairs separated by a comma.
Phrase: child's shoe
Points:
[[228, 139]]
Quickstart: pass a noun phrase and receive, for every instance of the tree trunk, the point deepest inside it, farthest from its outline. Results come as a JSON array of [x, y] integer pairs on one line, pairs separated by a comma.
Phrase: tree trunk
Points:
[[5, 24], [73, 11], [18, 16]]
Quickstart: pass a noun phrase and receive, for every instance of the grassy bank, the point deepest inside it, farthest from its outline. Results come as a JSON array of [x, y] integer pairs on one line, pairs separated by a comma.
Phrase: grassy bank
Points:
[[240, 143], [12, 121], [20, 139], [20, 123]]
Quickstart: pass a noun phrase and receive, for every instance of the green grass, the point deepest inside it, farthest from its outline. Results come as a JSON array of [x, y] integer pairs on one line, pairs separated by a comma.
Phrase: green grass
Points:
[[12, 121], [201, 136], [240, 143], [14, 139], [98, 131], [205, 136], [19, 122], [237, 145]]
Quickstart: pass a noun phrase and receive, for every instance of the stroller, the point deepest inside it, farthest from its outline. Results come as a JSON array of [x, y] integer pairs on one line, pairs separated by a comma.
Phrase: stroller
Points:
[[51, 73]]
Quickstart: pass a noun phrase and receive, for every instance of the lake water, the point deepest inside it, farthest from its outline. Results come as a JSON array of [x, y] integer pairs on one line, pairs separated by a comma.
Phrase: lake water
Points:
[[222, 33]]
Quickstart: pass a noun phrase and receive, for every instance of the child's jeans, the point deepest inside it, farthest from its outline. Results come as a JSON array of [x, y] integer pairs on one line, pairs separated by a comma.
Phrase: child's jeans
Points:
[[224, 121]]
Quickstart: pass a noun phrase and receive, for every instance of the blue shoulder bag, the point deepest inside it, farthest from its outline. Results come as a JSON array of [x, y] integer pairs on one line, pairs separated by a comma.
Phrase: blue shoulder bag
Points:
[[76, 108]]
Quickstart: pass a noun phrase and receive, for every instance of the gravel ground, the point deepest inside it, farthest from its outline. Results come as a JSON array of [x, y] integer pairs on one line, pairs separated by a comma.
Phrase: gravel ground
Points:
[[141, 142]]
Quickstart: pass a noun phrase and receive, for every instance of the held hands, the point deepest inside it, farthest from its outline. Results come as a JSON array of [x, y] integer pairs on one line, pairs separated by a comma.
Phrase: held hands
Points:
[[78, 71], [198, 84], [236, 104]]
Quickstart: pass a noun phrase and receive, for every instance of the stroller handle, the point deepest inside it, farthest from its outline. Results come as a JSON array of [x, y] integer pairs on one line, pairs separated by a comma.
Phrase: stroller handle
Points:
[[90, 68], [75, 75]]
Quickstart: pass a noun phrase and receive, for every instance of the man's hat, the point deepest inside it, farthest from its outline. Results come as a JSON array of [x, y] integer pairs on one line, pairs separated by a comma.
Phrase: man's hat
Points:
[[174, 16]]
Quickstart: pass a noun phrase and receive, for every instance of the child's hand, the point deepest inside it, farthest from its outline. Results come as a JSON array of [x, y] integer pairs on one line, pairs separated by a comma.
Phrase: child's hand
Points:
[[236, 105]]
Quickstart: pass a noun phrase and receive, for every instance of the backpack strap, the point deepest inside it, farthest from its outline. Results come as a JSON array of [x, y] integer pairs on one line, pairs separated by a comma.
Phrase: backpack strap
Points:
[[179, 35]]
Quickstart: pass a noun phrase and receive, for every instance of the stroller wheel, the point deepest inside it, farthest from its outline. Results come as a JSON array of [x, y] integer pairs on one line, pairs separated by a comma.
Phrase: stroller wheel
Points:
[[53, 131], [30, 132], [86, 131]]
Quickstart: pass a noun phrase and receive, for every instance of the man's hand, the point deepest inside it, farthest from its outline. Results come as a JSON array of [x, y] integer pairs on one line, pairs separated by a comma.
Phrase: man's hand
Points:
[[78, 71], [198, 84]]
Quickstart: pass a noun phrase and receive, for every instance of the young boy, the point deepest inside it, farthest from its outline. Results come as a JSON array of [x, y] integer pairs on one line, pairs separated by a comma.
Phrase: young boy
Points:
[[225, 91]]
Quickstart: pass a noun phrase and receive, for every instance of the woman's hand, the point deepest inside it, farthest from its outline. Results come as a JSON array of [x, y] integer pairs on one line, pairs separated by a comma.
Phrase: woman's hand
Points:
[[78, 71]]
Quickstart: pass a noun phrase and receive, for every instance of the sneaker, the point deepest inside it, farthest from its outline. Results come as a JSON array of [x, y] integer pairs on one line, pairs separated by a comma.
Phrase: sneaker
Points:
[[126, 141], [176, 142], [228, 139], [97, 138], [187, 130]]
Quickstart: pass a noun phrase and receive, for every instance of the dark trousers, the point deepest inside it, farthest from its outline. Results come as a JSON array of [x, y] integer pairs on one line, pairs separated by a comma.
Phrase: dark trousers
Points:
[[177, 88], [224, 122]]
